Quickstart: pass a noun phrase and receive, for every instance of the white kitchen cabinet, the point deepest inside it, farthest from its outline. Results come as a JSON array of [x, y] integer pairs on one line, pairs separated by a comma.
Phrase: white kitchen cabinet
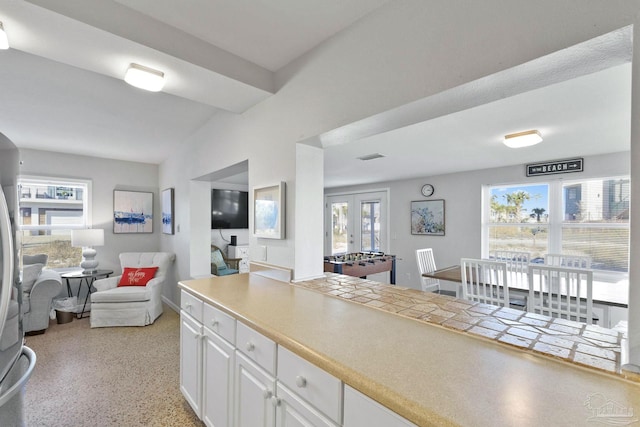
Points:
[[254, 390], [241, 252], [191, 306], [207, 358], [362, 411], [321, 390], [255, 382], [191, 361], [293, 411], [218, 365], [232, 375], [219, 322], [256, 347]]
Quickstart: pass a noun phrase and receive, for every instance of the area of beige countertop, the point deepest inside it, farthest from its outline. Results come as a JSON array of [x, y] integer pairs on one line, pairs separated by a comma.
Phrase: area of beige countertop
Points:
[[428, 374]]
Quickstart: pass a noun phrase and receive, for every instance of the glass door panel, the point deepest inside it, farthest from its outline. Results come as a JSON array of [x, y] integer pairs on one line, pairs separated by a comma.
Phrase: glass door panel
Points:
[[356, 223], [370, 226], [339, 236]]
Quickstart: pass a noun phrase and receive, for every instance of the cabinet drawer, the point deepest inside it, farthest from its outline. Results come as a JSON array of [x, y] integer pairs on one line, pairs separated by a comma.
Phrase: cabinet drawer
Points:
[[220, 322], [238, 251], [242, 252], [191, 305], [256, 347], [321, 389], [360, 410], [292, 410]]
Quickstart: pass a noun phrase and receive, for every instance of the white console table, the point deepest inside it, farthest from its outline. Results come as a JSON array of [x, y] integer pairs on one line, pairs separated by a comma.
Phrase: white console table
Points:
[[242, 252]]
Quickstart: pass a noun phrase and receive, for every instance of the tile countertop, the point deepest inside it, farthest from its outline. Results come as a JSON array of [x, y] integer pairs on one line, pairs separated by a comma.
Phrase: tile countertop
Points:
[[429, 374], [587, 345]]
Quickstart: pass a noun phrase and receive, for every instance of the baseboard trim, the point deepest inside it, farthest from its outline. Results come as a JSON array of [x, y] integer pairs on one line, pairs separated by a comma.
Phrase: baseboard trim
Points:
[[171, 304]]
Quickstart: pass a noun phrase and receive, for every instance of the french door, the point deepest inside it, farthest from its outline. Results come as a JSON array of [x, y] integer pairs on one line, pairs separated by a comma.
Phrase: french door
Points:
[[356, 223]]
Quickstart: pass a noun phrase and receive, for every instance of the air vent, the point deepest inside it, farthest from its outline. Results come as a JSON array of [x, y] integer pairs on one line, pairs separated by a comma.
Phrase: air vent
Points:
[[371, 156]]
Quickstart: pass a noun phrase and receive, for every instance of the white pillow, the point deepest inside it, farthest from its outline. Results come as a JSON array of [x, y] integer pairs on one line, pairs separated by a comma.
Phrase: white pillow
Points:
[[30, 274]]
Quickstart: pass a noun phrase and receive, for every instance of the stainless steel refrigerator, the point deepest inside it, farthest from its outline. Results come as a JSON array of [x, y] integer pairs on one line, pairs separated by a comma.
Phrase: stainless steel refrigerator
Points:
[[17, 361]]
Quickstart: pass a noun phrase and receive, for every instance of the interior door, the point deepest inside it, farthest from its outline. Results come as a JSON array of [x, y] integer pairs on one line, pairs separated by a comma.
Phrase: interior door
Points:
[[356, 222]]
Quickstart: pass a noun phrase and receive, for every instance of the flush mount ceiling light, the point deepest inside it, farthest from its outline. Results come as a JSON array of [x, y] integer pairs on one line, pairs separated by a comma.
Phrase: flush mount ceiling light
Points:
[[370, 156], [144, 77], [4, 41], [522, 139]]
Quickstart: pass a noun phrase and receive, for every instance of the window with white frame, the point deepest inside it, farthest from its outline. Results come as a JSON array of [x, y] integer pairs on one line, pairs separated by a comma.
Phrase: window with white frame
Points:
[[49, 209], [587, 217]]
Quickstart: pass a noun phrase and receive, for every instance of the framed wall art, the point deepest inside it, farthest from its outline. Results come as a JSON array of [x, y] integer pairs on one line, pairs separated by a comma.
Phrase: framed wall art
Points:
[[427, 217], [269, 212], [168, 226], [132, 212]]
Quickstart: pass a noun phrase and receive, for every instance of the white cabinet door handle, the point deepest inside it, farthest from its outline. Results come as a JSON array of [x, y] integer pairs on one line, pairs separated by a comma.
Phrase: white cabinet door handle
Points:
[[267, 394], [275, 401], [187, 306], [214, 323], [301, 381], [250, 346]]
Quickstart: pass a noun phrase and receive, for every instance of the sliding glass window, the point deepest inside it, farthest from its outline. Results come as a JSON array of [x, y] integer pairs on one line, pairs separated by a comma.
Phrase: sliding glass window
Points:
[[49, 209], [581, 217]]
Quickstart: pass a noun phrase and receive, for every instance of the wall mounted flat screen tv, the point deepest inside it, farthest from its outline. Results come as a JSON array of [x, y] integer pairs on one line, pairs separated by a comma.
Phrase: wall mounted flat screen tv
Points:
[[229, 209]]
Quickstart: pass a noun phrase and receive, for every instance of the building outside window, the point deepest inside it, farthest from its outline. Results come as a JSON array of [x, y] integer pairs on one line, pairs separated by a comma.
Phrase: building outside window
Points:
[[585, 217], [49, 209]]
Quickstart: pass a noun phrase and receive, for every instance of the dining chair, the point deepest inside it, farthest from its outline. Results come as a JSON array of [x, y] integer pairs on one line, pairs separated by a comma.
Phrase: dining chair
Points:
[[561, 292], [517, 263], [427, 264], [484, 281], [572, 261]]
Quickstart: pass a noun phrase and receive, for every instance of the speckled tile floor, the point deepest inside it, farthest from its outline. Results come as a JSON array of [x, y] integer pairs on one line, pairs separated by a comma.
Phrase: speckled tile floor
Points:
[[108, 376], [587, 345]]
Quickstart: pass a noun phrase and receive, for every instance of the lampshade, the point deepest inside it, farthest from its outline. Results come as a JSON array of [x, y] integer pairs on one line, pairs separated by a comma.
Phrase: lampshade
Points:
[[87, 238], [4, 41], [522, 139], [144, 78]]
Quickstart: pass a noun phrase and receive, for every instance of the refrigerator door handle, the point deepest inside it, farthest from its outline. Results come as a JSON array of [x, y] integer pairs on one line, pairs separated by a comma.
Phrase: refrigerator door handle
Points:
[[7, 260], [19, 385]]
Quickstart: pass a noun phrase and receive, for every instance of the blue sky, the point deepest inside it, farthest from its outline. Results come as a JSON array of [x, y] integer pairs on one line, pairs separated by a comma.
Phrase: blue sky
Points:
[[539, 195]]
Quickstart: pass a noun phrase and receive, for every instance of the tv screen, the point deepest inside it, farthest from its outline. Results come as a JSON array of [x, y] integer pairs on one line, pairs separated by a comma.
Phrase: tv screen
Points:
[[229, 209]]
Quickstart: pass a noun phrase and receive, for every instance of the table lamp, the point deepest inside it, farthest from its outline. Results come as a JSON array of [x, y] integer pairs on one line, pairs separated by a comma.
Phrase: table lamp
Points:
[[87, 239]]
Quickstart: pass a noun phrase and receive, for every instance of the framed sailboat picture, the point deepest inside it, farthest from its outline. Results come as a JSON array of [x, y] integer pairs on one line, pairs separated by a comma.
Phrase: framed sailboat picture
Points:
[[132, 212], [167, 211]]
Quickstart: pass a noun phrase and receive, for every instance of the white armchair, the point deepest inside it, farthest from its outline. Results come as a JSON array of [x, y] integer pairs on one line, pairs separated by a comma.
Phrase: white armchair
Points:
[[130, 305], [39, 287]]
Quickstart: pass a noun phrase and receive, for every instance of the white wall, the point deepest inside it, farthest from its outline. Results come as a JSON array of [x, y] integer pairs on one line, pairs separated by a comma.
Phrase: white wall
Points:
[[406, 50], [462, 193], [106, 176], [309, 175]]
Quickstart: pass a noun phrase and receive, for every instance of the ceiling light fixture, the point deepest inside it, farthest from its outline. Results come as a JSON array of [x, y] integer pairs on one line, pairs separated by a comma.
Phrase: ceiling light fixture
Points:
[[144, 78], [370, 156], [522, 139], [4, 41]]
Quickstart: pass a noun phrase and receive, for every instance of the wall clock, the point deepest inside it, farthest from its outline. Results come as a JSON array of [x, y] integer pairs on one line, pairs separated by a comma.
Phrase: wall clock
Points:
[[427, 190]]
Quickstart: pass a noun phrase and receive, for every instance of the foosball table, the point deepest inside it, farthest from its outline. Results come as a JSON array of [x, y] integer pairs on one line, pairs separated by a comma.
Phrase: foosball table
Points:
[[361, 264]]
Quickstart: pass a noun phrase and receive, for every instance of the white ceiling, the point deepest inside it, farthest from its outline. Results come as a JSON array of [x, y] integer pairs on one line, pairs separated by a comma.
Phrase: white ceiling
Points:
[[62, 88], [584, 116], [268, 33], [62, 85]]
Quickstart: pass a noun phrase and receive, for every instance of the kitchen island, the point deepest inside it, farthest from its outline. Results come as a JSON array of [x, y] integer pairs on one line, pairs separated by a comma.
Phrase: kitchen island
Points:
[[428, 374]]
